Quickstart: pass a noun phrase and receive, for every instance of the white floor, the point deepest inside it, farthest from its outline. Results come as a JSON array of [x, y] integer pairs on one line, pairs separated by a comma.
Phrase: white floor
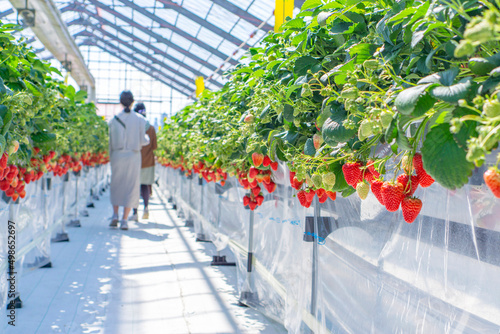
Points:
[[153, 278]]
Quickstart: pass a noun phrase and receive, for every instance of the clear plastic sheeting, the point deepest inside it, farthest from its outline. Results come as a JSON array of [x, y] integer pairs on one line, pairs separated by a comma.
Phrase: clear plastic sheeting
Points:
[[50, 204], [350, 266]]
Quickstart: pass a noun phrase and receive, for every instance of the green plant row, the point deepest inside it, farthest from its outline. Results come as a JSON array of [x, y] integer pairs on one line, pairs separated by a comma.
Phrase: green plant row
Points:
[[350, 81], [44, 123]]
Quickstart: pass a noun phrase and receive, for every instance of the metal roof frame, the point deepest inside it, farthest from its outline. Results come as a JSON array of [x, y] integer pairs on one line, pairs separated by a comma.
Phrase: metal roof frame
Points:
[[243, 14], [155, 49], [138, 26], [7, 12], [147, 67], [169, 4], [87, 33], [175, 29]]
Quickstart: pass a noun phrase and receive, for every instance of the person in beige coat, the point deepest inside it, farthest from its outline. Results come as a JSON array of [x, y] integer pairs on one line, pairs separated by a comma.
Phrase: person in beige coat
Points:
[[127, 135]]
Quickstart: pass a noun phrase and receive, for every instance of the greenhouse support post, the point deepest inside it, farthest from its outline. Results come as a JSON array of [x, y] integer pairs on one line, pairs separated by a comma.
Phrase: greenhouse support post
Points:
[[76, 222], [46, 186], [314, 278], [187, 215], [63, 236], [201, 237], [220, 260], [13, 296], [248, 297]]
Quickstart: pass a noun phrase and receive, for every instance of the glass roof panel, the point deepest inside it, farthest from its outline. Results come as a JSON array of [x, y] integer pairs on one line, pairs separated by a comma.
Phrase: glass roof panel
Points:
[[167, 14], [167, 33], [262, 9], [191, 63], [146, 3], [175, 54], [188, 26], [227, 48], [108, 16], [181, 41], [207, 35], [214, 60], [200, 52], [222, 18], [198, 7], [243, 30]]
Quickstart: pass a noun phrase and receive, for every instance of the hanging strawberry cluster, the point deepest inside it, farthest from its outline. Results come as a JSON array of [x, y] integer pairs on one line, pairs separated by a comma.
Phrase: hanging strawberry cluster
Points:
[[391, 194], [259, 173]]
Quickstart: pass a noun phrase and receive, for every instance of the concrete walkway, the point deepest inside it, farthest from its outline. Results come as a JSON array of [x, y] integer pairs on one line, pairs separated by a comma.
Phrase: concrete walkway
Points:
[[153, 278]]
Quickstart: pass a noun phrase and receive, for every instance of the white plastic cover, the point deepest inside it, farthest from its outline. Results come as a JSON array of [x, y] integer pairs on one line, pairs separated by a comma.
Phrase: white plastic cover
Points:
[[358, 268], [50, 203]]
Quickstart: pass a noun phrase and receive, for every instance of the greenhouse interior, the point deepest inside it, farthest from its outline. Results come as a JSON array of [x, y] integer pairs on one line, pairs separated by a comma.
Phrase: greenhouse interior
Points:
[[250, 166]]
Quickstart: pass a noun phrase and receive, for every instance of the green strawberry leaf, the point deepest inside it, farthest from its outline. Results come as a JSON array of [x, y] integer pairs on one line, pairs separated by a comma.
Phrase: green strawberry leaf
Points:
[[407, 100], [453, 93], [305, 63], [444, 159], [333, 130], [309, 147]]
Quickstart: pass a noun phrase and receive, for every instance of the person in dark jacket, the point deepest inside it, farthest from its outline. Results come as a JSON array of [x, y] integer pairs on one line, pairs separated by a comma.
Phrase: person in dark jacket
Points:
[[148, 163]]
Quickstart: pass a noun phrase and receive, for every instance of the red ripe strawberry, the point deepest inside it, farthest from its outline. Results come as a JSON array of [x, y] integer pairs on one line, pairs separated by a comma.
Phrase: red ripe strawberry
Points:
[[246, 200], [320, 192], [3, 160], [266, 179], [252, 205], [301, 195], [10, 191], [291, 176], [274, 165], [222, 183], [371, 168], [418, 164], [332, 195], [404, 179], [257, 159], [52, 154], [253, 172], [411, 207], [352, 173], [36, 150], [245, 183], [377, 190], [266, 162], [310, 195], [15, 196], [253, 184], [368, 176], [4, 185], [256, 191], [392, 194], [492, 180], [259, 199], [424, 179], [271, 187], [39, 175], [296, 184], [13, 169], [22, 193], [20, 187], [323, 198]]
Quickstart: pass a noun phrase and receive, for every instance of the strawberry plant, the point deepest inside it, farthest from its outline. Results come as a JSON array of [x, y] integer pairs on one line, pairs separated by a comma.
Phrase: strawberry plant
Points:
[[45, 125], [416, 80]]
